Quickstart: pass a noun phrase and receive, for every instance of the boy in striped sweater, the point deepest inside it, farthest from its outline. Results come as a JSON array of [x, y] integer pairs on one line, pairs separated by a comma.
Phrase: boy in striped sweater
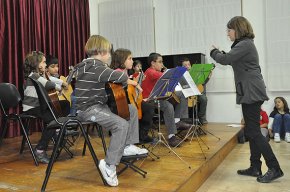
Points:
[[91, 76]]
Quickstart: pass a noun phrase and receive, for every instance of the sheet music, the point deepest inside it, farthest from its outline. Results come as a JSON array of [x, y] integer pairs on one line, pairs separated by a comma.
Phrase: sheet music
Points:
[[167, 83], [187, 86]]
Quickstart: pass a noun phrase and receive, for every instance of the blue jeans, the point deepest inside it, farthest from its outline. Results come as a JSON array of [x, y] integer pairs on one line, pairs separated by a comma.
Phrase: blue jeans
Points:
[[281, 124]]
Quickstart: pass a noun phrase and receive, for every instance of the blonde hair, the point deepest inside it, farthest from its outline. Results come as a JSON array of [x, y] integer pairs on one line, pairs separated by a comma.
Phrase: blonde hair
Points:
[[242, 27], [97, 44]]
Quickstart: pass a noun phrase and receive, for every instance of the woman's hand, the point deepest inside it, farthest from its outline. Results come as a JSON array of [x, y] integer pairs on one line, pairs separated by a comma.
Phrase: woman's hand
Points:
[[213, 47]]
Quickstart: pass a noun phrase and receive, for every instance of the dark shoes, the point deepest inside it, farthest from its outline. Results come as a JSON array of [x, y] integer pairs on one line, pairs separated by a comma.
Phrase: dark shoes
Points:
[[41, 157], [146, 139], [270, 175], [251, 171], [180, 125], [187, 120], [173, 141]]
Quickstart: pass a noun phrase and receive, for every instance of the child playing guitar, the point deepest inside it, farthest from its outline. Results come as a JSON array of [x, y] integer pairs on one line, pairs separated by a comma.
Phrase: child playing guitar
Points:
[[52, 75], [122, 61]]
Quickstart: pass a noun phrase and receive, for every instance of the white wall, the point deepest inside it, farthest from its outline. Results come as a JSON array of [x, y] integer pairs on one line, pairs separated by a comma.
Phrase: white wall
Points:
[[221, 105]]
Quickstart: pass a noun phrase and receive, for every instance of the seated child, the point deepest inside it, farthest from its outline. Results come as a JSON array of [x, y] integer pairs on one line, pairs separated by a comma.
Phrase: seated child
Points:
[[279, 125]]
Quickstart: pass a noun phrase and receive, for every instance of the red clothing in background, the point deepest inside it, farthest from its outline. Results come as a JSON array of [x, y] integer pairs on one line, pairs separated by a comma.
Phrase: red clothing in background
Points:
[[263, 117], [151, 78]]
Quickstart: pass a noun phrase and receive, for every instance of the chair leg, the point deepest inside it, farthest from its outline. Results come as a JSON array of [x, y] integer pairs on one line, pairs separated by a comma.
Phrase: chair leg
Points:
[[27, 140], [5, 126], [53, 158], [130, 164], [27, 124], [85, 143], [94, 156]]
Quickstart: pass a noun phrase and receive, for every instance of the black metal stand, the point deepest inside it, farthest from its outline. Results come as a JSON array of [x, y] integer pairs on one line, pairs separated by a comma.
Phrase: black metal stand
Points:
[[162, 140], [196, 130]]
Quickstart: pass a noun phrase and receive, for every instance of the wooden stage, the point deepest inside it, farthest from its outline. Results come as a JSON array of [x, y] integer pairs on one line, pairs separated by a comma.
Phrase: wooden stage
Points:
[[18, 172]]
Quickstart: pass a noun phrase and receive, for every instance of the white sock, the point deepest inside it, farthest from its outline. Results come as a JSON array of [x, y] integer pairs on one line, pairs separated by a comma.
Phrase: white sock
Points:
[[170, 135], [176, 120]]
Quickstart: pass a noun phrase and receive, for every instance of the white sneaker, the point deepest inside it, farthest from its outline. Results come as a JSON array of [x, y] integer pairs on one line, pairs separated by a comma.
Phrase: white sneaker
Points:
[[134, 150], [277, 138], [287, 137], [109, 173]]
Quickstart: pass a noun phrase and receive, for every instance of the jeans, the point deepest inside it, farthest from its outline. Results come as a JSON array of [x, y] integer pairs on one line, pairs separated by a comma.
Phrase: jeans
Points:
[[123, 132], [281, 124]]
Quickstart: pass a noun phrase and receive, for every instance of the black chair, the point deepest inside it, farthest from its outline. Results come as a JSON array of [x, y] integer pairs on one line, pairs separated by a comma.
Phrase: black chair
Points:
[[61, 123], [10, 99]]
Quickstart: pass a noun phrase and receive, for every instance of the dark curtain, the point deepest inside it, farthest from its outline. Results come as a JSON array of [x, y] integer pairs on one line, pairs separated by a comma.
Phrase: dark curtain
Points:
[[56, 27]]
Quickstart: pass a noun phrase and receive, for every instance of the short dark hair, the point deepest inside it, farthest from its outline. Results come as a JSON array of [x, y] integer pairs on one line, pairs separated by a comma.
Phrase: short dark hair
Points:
[[51, 60], [183, 59], [136, 62], [153, 57]]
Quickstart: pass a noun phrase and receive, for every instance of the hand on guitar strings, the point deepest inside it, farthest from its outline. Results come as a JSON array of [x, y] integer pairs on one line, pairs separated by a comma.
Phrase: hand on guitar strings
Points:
[[64, 85], [134, 83]]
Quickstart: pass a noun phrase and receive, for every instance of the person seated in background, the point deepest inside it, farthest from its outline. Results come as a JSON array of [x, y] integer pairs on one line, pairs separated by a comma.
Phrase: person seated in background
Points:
[[153, 73], [52, 69], [201, 99], [91, 100], [122, 61], [279, 125], [264, 120], [34, 67]]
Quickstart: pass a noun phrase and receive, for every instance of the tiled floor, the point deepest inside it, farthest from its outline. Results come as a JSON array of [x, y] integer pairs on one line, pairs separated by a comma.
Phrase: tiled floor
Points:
[[225, 178]]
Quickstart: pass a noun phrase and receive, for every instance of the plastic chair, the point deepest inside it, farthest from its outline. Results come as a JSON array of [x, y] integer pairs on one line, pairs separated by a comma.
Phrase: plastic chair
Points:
[[61, 123], [9, 99]]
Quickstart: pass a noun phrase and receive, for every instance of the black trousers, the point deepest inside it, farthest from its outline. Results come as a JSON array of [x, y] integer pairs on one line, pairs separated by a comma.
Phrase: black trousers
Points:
[[47, 134], [147, 119], [258, 143]]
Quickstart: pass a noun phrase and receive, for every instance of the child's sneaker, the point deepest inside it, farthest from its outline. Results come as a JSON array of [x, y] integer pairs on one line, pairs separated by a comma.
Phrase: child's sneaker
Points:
[[277, 138], [134, 150], [287, 137], [109, 173]]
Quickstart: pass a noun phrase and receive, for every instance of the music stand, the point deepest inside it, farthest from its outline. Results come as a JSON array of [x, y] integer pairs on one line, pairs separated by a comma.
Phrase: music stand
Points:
[[199, 74], [161, 91]]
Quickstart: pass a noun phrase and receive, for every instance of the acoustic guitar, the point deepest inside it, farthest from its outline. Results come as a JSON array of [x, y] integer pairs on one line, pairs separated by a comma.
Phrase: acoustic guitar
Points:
[[134, 95], [117, 100], [173, 98], [192, 100], [65, 94], [53, 95]]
